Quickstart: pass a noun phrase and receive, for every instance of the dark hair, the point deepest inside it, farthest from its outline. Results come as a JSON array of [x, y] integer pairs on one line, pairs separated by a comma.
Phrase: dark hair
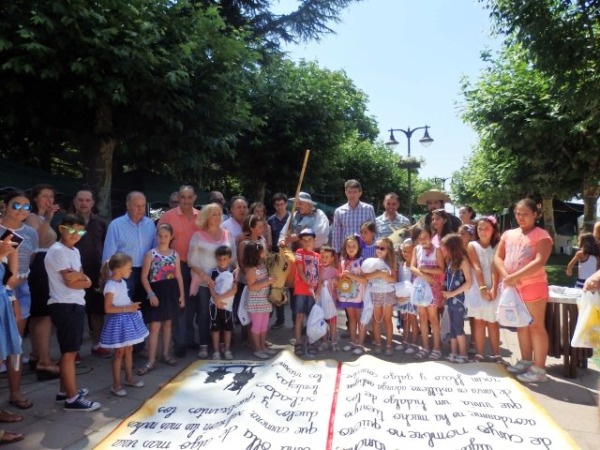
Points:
[[251, 256], [368, 225], [72, 219], [352, 237], [587, 244], [250, 223], [235, 198], [495, 237], [86, 189], [447, 228], [352, 184], [530, 204], [223, 250], [35, 191], [255, 205], [391, 195], [327, 249], [14, 194], [418, 229], [455, 253], [116, 261], [469, 208], [279, 196]]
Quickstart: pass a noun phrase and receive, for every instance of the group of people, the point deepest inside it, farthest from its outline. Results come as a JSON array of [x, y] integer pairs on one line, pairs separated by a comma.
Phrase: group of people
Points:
[[182, 280]]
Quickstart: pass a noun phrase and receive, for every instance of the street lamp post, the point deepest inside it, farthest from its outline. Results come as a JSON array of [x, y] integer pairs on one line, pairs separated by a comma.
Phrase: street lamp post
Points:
[[443, 181], [409, 165]]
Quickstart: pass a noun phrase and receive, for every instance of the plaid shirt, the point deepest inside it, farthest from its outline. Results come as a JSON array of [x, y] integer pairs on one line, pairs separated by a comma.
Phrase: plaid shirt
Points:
[[347, 221]]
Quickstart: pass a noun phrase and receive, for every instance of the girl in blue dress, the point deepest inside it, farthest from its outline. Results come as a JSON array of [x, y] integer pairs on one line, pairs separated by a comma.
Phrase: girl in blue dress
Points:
[[124, 326]]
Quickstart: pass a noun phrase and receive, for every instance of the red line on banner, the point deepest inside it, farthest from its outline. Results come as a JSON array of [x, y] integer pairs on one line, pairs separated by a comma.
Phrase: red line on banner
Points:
[[333, 407]]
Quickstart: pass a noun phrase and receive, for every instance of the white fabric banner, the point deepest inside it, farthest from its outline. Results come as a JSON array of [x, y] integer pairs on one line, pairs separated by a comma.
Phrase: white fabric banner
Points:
[[290, 404]]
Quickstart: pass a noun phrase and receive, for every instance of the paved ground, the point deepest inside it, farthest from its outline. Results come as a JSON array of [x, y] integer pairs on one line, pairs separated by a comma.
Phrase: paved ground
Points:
[[572, 403]]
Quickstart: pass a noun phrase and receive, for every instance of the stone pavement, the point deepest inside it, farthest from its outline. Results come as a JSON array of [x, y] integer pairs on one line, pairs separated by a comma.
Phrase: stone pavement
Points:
[[572, 403]]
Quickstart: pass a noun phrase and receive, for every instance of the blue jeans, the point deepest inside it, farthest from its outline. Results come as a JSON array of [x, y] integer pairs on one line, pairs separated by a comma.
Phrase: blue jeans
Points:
[[198, 314], [179, 324], [456, 312]]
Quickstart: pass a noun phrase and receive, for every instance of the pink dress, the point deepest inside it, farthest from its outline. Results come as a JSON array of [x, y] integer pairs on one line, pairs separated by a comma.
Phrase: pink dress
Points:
[[427, 258]]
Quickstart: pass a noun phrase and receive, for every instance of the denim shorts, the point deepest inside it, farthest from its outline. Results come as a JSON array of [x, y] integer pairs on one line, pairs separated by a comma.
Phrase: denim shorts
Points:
[[23, 297], [303, 304], [456, 312]]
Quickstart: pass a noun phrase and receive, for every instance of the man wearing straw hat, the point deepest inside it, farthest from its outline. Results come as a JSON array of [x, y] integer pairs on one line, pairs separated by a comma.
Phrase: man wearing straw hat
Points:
[[435, 199], [306, 216]]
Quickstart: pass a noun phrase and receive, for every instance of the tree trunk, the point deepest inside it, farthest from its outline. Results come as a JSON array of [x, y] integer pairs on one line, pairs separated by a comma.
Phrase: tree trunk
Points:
[[101, 151], [591, 191], [548, 212], [259, 192]]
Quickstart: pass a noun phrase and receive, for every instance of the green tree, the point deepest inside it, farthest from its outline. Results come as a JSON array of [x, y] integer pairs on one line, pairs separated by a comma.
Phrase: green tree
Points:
[[561, 40], [301, 106], [157, 81], [525, 137]]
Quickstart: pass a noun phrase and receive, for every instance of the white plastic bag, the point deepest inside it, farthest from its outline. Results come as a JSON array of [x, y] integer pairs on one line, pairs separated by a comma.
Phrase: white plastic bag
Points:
[[243, 308], [371, 265], [421, 294], [512, 312], [367, 312], [587, 330], [316, 327], [326, 302]]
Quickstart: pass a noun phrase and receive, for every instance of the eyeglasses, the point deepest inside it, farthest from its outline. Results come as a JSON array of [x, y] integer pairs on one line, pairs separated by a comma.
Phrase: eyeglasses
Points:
[[70, 230], [21, 206], [383, 249]]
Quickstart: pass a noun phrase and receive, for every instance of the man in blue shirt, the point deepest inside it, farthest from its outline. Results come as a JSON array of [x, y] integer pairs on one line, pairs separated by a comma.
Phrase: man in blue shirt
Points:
[[133, 234]]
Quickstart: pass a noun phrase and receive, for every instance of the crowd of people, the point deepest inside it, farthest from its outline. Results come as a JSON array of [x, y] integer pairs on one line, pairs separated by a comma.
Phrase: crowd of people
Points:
[[183, 283]]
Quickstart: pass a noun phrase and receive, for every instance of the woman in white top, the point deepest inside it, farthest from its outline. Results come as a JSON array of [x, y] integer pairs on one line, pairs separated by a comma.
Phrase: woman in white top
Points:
[[202, 260]]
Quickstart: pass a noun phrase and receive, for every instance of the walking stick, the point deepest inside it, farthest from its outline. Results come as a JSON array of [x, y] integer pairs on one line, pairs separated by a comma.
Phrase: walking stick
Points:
[[289, 224]]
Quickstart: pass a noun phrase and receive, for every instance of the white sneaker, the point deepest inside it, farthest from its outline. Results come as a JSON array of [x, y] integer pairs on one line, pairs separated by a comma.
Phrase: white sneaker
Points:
[[228, 355], [216, 356], [521, 366], [533, 375]]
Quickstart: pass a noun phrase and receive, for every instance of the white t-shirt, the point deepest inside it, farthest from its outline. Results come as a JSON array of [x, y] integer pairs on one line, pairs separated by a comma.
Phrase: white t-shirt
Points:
[[119, 291], [59, 258]]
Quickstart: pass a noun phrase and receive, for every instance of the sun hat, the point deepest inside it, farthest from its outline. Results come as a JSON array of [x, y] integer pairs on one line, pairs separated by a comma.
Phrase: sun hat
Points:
[[304, 197], [432, 194], [307, 232]]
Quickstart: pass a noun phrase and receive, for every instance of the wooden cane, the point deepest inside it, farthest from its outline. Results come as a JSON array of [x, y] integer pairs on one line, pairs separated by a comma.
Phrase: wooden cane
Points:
[[300, 180]]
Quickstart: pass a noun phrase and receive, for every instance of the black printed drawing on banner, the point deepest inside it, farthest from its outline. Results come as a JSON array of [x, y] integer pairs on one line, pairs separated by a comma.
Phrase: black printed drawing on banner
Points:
[[216, 375], [241, 379]]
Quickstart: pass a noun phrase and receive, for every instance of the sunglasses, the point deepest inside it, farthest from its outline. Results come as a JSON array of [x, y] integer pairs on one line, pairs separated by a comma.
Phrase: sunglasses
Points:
[[21, 206], [73, 231], [383, 249]]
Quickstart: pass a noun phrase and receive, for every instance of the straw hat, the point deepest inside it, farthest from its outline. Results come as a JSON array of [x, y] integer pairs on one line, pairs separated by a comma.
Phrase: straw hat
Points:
[[433, 194]]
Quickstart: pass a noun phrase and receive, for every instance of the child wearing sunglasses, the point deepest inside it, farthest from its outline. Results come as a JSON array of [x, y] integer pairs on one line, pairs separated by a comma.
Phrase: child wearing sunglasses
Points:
[[67, 308]]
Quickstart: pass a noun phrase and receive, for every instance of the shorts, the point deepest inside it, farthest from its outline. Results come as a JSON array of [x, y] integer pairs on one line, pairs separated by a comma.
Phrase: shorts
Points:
[[534, 292], [383, 298], [456, 312], [69, 320], [94, 302], [303, 304], [23, 297], [220, 319]]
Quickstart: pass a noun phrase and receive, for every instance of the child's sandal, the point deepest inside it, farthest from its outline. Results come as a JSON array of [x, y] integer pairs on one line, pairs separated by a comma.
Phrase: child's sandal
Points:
[[478, 358], [299, 350], [422, 354], [435, 355], [146, 368]]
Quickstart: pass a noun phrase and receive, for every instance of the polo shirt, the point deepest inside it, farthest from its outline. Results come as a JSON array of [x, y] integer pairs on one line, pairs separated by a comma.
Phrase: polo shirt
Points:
[[183, 229]]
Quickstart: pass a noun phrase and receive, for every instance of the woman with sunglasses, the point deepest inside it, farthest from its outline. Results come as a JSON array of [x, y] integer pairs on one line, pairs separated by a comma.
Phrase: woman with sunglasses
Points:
[[17, 210], [40, 326]]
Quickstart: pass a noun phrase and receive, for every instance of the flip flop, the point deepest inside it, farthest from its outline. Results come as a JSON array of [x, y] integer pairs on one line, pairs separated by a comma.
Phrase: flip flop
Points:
[[8, 437], [23, 403], [8, 417]]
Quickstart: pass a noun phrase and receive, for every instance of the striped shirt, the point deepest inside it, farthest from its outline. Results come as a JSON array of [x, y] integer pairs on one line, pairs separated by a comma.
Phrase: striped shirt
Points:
[[133, 239], [385, 226], [347, 221]]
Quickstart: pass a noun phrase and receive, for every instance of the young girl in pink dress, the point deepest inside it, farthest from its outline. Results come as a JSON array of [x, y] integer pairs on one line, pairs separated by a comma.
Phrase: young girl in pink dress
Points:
[[328, 275]]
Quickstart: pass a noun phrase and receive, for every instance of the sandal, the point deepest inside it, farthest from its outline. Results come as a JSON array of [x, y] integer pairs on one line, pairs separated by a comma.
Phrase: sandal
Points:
[[8, 437], [23, 403], [422, 354], [311, 350], [358, 350], [169, 360], [146, 368], [299, 350], [8, 417], [478, 358], [499, 360], [389, 351], [47, 373], [435, 355]]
